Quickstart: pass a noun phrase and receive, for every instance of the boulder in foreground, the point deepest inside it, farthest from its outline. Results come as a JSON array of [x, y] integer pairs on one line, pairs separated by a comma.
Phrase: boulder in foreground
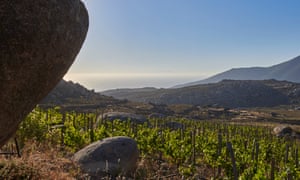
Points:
[[39, 42], [109, 157]]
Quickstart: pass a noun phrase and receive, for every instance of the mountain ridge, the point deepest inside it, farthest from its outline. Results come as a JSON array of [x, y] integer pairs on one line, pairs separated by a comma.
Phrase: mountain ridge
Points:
[[285, 71]]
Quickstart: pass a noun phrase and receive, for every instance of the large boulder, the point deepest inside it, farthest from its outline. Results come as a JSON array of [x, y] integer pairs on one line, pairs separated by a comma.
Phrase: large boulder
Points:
[[111, 156], [39, 41]]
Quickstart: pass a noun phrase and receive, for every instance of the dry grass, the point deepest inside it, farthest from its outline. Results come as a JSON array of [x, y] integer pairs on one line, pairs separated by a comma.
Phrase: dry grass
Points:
[[39, 162], [155, 169]]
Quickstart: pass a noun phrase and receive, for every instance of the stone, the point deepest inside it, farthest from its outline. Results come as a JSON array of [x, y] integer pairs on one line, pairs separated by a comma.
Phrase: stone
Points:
[[123, 116], [39, 40], [286, 131], [111, 156]]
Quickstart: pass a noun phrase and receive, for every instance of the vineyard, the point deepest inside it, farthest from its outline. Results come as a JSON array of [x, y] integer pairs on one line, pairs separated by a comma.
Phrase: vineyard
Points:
[[212, 149]]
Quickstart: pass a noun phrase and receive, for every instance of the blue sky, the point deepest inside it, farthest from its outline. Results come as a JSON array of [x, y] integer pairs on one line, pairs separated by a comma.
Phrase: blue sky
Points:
[[161, 43]]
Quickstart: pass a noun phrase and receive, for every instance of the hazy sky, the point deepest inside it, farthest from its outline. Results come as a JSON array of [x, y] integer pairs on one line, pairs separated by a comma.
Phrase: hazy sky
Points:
[[161, 43]]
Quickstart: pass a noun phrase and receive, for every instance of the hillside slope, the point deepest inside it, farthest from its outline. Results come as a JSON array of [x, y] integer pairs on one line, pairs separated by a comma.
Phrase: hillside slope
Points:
[[72, 96], [287, 71], [227, 93], [76, 96]]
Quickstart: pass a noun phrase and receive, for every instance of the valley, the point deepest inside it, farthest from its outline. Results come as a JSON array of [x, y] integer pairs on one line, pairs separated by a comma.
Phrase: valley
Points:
[[185, 132]]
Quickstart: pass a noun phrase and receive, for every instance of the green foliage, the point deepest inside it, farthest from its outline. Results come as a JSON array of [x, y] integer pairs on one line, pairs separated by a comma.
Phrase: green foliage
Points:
[[33, 127], [201, 142]]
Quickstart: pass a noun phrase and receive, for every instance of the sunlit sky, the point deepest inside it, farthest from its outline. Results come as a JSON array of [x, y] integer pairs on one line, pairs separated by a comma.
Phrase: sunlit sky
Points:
[[162, 43]]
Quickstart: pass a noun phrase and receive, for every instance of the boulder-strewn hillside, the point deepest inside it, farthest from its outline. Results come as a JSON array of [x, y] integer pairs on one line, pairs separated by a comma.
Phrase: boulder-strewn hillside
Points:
[[288, 71], [227, 93]]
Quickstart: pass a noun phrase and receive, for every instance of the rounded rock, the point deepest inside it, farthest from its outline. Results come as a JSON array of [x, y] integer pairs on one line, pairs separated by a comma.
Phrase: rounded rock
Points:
[[111, 156], [39, 42]]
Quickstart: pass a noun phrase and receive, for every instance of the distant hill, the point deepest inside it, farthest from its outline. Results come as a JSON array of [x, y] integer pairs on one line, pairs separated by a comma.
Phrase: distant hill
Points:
[[72, 96], [287, 71], [135, 94], [76, 96], [227, 93]]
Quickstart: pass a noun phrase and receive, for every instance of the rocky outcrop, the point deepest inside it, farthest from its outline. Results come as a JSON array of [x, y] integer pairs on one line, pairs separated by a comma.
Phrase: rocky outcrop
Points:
[[109, 157], [39, 42]]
